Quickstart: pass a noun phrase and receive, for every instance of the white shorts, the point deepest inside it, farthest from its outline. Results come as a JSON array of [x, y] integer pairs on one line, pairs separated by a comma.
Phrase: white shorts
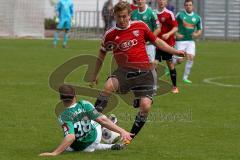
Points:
[[151, 51], [187, 46]]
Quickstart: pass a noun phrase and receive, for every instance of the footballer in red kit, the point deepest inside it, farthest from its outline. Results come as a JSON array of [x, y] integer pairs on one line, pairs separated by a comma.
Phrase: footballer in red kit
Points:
[[129, 44], [168, 22], [127, 41], [169, 27], [134, 5]]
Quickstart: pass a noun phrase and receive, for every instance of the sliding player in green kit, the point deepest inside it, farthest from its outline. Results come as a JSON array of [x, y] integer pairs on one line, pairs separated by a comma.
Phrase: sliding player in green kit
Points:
[[81, 126]]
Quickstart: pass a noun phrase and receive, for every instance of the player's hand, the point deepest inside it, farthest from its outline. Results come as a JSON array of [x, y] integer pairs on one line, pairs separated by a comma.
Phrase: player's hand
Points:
[[93, 83], [165, 36], [126, 136], [181, 53], [47, 154], [194, 35], [179, 36]]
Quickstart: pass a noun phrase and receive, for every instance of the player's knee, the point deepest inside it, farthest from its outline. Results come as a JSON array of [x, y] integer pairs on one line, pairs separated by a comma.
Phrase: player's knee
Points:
[[108, 88], [145, 104], [170, 65], [179, 60], [190, 57], [111, 85]]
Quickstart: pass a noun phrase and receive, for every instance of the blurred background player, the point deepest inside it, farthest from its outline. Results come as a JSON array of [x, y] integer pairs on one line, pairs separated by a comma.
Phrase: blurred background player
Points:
[[166, 32], [135, 72], [134, 5], [189, 28], [107, 15], [170, 6], [146, 14], [80, 122], [64, 11]]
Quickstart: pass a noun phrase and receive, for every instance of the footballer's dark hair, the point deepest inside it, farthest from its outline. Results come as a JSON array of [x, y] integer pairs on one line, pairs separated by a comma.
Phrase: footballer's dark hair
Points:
[[186, 1], [121, 6], [67, 93]]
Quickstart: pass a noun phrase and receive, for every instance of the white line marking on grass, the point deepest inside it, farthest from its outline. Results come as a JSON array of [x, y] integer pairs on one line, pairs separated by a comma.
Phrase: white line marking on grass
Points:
[[212, 81]]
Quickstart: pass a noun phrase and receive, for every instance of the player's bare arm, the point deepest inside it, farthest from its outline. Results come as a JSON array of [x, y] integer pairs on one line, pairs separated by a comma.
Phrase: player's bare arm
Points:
[[165, 47], [67, 141], [196, 34], [98, 67], [167, 35], [157, 31], [105, 122]]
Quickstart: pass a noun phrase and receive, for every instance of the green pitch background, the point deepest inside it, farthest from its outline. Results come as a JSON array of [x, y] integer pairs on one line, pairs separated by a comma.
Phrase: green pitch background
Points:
[[200, 123]]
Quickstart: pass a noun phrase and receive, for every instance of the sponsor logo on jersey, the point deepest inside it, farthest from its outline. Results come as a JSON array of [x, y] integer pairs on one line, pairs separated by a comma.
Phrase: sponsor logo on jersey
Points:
[[126, 45], [144, 17], [188, 25], [136, 33]]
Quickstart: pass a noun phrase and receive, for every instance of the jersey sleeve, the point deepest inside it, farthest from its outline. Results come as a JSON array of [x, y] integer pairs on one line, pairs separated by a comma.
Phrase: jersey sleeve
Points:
[[67, 126], [154, 20], [174, 21], [149, 36], [103, 47], [199, 24], [178, 17], [91, 112]]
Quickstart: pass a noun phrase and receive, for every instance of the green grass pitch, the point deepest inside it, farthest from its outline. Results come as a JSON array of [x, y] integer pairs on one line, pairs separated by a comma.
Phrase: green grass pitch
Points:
[[200, 123]]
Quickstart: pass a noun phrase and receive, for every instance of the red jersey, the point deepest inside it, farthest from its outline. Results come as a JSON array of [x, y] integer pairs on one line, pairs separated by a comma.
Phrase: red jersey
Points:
[[167, 21], [133, 7], [128, 45]]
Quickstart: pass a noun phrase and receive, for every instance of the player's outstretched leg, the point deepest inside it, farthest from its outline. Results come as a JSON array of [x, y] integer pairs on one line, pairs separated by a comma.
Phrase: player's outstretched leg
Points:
[[116, 146], [141, 118]]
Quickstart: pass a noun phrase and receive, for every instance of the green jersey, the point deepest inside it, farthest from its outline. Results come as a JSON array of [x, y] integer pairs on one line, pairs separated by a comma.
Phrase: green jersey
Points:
[[187, 24], [77, 119], [148, 16]]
